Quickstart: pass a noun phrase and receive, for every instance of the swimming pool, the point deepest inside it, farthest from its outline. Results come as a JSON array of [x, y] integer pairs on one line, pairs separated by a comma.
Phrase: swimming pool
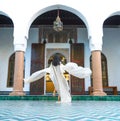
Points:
[[51, 111]]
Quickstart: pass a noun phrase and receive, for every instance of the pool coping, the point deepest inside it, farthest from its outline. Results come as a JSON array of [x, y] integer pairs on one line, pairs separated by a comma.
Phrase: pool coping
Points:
[[75, 97]]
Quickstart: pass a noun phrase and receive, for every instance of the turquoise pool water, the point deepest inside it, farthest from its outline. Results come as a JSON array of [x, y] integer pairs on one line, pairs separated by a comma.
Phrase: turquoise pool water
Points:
[[51, 111]]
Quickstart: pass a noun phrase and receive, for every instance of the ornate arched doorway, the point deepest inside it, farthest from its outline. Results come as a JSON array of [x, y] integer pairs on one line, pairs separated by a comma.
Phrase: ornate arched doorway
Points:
[[41, 55], [64, 42], [49, 84]]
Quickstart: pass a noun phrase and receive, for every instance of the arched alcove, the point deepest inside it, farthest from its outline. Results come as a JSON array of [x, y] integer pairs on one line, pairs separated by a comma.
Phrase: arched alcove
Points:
[[49, 84], [11, 70], [5, 20], [6, 50], [72, 20], [111, 45], [49, 14]]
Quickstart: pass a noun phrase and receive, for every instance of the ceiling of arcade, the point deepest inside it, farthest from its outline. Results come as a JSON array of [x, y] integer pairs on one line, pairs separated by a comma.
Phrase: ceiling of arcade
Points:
[[67, 18]]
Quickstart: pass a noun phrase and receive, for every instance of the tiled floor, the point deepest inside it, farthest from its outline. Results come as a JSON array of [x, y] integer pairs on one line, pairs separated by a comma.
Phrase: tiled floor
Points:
[[52, 111]]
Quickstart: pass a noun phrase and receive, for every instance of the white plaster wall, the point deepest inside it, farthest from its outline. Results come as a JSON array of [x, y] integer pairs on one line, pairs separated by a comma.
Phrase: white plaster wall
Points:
[[23, 13], [111, 49], [111, 45], [33, 38], [82, 38], [6, 49]]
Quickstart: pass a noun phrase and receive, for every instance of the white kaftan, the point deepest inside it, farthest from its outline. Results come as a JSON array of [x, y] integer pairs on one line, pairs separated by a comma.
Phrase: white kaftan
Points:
[[59, 81]]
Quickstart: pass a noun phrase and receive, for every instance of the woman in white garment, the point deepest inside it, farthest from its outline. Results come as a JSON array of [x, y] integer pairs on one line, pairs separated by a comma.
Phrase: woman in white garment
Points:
[[56, 71], [60, 83]]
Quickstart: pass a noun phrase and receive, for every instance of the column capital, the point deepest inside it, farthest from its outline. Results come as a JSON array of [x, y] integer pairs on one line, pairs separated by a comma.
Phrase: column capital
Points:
[[19, 47], [95, 43], [20, 44]]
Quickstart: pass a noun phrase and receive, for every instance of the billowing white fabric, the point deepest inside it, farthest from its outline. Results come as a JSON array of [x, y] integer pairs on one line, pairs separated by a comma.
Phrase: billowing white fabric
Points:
[[75, 70], [59, 81], [37, 75]]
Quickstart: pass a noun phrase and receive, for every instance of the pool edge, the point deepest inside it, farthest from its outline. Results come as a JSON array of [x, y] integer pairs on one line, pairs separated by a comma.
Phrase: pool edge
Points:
[[75, 97]]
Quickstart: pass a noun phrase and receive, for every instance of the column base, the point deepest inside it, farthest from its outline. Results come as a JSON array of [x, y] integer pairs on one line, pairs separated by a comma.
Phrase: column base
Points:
[[17, 93], [99, 93]]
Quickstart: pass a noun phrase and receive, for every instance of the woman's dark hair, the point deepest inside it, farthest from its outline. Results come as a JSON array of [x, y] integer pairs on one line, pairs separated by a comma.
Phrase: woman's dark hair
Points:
[[56, 60]]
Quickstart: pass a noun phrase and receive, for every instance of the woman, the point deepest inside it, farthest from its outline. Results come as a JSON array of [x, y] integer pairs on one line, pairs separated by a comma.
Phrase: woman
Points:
[[60, 83], [56, 71]]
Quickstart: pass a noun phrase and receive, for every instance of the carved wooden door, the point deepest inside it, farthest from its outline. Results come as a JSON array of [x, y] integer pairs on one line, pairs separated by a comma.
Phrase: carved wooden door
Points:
[[77, 56], [37, 63]]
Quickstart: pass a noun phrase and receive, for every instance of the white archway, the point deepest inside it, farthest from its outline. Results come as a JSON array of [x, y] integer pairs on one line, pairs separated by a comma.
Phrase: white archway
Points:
[[6, 45], [5, 14], [53, 7], [111, 40]]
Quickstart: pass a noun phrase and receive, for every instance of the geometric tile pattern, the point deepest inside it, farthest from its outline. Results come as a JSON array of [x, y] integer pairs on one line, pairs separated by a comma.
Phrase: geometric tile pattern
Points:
[[26, 110], [50, 97]]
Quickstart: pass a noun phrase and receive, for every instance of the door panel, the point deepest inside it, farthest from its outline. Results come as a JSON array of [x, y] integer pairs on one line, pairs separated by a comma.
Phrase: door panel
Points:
[[77, 56], [37, 63]]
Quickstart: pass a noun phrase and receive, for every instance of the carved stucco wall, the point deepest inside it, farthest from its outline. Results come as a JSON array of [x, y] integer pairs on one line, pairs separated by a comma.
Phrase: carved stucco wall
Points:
[[54, 48]]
